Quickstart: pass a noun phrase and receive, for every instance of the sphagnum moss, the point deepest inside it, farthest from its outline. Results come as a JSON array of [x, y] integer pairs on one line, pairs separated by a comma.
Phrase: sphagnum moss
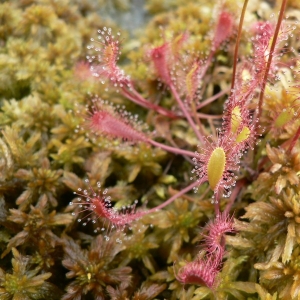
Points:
[[179, 73]]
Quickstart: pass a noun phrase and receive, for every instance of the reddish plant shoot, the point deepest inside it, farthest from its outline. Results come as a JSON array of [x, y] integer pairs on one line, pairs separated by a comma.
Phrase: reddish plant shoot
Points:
[[224, 28], [214, 240], [114, 124], [205, 270], [104, 63], [98, 206], [201, 271], [217, 160]]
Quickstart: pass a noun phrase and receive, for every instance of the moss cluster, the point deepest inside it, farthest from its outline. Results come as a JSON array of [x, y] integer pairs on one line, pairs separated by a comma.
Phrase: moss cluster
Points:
[[45, 155]]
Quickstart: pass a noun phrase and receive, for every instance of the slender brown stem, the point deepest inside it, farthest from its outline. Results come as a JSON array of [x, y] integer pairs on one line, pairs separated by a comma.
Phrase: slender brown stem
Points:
[[264, 83], [294, 140], [236, 50]]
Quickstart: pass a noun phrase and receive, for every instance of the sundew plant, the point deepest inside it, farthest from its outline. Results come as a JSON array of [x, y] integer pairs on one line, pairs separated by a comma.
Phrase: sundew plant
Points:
[[158, 164]]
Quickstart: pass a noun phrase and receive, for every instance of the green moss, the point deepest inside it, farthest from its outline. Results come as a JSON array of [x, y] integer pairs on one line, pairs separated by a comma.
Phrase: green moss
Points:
[[46, 152]]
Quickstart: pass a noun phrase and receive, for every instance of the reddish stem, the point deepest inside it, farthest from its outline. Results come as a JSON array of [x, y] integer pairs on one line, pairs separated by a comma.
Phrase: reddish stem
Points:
[[217, 204], [212, 98], [209, 117], [135, 97], [186, 114], [170, 200], [264, 83], [294, 140], [171, 149], [236, 50], [234, 195]]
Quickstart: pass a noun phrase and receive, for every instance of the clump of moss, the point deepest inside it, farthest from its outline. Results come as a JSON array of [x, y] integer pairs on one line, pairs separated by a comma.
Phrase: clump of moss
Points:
[[46, 153], [25, 282]]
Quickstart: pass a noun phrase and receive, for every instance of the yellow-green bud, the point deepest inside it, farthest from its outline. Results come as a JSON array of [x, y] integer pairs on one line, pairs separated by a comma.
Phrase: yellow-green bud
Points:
[[236, 119], [243, 135], [284, 117], [216, 166]]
